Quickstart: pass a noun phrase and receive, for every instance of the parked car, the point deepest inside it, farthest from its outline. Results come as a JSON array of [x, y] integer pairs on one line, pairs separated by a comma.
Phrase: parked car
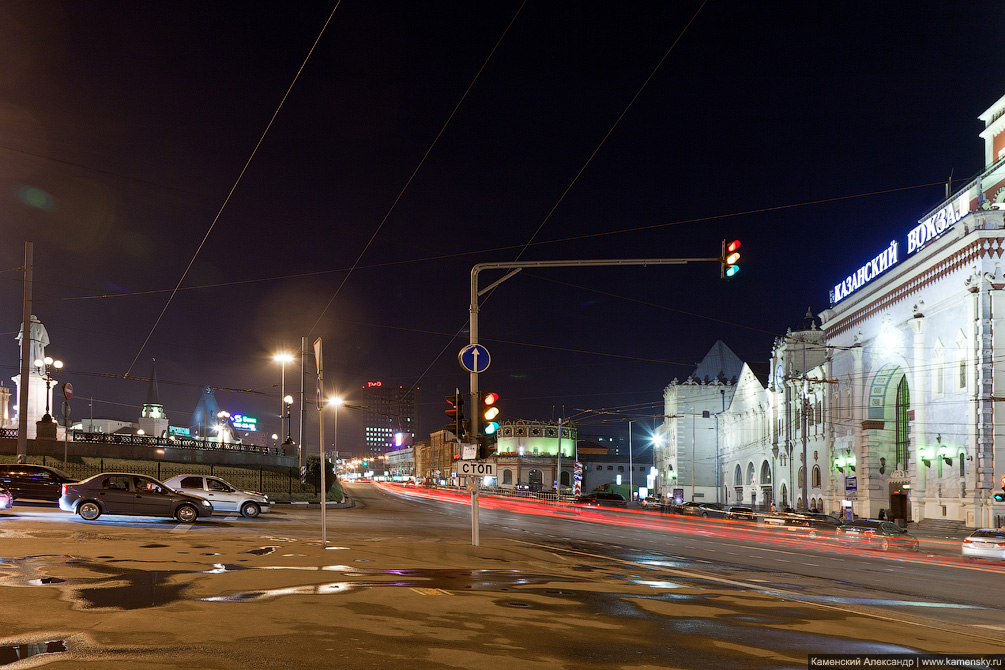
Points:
[[689, 508], [35, 482], [985, 543], [740, 513], [651, 502], [602, 499], [879, 534], [225, 496], [127, 493], [6, 499]]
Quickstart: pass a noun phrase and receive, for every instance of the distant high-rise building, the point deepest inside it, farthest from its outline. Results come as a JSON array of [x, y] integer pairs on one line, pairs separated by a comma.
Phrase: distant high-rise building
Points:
[[391, 418]]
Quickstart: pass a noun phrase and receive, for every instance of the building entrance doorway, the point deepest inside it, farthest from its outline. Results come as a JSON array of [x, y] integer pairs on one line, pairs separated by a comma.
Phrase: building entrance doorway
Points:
[[900, 502]]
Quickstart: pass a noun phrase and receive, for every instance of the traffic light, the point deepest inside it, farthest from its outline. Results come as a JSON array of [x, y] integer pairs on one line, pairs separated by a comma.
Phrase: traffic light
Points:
[[456, 413], [730, 258], [489, 425], [1000, 497], [489, 413]]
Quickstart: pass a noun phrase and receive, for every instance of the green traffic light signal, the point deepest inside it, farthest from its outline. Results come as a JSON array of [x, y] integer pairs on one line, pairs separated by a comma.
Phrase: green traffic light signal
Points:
[[730, 258], [490, 412]]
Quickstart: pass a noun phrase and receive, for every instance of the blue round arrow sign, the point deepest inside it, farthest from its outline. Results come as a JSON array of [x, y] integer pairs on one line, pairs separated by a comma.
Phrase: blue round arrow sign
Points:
[[474, 358]]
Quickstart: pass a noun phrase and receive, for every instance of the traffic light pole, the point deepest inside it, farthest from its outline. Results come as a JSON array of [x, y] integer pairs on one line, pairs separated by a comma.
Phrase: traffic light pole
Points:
[[515, 267]]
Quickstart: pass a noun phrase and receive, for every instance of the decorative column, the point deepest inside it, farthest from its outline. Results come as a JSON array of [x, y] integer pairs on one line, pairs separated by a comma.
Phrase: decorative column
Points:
[[859, 403], [919, 404]]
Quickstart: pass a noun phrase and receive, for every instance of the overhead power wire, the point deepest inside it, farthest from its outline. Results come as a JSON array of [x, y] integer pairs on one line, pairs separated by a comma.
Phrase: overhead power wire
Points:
[[609, 132], [418, 167], [233, 188]]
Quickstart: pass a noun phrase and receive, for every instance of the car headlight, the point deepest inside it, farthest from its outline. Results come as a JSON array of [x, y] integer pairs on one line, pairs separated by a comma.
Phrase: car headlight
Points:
[[205, 503]]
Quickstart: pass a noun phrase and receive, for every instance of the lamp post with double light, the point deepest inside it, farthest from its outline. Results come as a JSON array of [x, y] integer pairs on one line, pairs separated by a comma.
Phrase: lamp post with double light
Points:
[[287, 405], [283, 358], [47, 368]]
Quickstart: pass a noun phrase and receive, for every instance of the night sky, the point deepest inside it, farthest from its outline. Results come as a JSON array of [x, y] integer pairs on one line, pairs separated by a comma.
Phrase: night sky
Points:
[[813, 132]]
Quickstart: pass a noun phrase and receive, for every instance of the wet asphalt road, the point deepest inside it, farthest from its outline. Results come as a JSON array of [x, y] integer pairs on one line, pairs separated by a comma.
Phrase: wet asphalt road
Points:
[[401, 586]]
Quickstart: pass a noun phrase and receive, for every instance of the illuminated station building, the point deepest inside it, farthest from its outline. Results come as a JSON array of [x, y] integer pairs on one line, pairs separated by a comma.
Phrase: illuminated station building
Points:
[[915, 375]]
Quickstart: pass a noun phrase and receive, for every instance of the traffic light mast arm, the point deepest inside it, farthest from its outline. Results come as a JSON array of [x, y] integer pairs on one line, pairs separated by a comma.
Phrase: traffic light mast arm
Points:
[[516, 266]]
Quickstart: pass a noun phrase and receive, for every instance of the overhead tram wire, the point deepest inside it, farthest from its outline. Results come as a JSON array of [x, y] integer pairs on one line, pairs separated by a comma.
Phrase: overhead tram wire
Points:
[[411, 177], [480, 252], [575, 179], [233, 188]]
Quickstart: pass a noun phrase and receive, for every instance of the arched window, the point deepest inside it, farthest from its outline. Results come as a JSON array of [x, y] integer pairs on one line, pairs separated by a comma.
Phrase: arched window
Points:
[[750, 473], [738, 476], [564, 478], [902, 436], [963, 471], [765, 476], [815, 474], [799, 477], [507, 477], [785, 496]]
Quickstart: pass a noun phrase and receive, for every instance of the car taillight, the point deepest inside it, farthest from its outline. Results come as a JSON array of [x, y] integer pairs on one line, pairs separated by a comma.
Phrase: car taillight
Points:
[[62, 490], [968, 541]]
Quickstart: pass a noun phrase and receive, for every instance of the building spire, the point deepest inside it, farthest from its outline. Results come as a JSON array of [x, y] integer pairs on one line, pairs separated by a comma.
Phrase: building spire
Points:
[[153, 394]]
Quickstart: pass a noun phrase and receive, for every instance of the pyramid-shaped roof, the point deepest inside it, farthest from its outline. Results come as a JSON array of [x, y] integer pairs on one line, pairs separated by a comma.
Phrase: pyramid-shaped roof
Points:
[[719, 363]]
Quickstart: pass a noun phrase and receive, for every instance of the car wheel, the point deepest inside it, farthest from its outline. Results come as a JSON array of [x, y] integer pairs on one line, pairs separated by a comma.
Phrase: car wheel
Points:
[[885, 545], [704, 515], [186, 514], [89, 511], [250, 510]]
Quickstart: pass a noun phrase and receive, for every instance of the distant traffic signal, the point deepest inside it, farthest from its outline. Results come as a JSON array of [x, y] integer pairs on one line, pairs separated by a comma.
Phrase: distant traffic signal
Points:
[[730, 258], [456, 413], [1000, 497]]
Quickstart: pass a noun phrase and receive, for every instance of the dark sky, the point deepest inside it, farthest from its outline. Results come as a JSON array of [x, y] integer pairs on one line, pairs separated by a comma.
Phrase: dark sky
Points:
[[124, 126]]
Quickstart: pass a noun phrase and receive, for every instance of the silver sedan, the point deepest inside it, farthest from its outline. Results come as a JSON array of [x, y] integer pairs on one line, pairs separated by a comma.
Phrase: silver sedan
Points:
[[985, 543]]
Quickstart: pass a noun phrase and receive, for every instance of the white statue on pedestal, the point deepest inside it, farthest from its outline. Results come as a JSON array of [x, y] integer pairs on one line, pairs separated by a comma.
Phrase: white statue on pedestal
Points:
[[38, 338], [38, 397]]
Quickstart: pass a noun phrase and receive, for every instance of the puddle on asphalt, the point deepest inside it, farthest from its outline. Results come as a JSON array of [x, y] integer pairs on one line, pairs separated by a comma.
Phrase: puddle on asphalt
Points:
[[18, 652], [261, 551]]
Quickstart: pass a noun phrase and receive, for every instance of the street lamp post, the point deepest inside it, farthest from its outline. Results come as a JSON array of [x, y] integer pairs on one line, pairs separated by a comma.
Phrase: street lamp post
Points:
[[283, 358], [48, 368], [335, 403], [287, 404]]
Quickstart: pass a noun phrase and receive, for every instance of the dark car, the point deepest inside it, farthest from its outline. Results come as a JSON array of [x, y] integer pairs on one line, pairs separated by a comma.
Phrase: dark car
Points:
[[34, 482], [602, 499], [706, 510], [127, 493], [740, 513], [877, 534]]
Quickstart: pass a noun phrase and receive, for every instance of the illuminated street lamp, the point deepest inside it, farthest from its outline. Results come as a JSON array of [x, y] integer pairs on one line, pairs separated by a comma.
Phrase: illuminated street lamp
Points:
[[283, 358], [47, 368], [335, 403], [287, 404]]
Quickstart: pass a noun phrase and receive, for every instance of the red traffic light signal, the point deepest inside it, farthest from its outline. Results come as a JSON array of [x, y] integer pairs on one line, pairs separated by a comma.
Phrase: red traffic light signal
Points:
[[489, 413], [730, 258], [456, 412]]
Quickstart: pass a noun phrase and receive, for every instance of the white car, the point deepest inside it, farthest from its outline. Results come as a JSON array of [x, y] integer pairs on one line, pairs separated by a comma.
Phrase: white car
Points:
[[224, 496], [985, 543]]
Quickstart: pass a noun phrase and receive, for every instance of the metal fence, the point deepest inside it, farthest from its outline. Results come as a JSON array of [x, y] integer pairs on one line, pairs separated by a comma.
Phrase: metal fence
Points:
[[277, 484]]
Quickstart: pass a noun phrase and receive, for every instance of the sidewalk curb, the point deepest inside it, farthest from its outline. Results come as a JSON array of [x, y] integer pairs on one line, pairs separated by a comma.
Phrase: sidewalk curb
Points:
[[304, 504]]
